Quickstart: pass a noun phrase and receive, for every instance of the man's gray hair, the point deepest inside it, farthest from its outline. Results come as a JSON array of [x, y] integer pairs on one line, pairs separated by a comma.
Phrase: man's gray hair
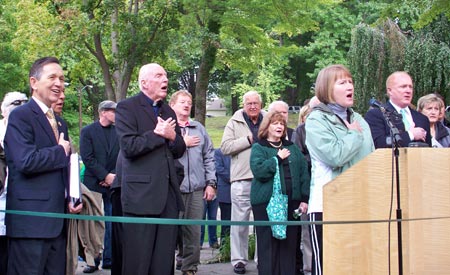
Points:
[[277, 102], [11, 101], [251, 93]]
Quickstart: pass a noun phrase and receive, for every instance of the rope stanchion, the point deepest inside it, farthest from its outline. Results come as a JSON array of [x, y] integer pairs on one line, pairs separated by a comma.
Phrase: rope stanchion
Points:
[[201, 222]]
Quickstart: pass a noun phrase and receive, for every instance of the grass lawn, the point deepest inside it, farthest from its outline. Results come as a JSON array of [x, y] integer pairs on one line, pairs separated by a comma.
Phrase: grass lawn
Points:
[[216, 125]]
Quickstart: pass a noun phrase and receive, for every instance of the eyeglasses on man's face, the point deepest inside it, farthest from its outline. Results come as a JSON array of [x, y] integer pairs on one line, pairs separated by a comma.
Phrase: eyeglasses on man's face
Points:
[[250, 104], [19, 102]]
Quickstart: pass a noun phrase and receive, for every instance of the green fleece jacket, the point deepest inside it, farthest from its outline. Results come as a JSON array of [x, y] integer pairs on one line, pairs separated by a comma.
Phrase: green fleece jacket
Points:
[[333, 148], [263, 167]]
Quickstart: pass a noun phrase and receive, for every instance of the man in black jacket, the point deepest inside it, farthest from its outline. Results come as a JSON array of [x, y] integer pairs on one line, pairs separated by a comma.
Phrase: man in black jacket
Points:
[[99, 148], [150, 141]]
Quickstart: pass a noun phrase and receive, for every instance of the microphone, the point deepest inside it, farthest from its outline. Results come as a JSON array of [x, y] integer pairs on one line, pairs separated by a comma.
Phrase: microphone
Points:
[[376, 104], [395, 134]]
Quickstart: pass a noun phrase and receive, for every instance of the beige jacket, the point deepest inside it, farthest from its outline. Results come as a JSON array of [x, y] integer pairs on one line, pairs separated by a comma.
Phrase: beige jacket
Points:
[[89, 234], [235, 144]]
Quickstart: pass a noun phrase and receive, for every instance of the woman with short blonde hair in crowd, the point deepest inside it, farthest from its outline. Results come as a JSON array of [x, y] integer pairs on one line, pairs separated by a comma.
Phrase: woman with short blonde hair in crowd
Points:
[[432, 106]]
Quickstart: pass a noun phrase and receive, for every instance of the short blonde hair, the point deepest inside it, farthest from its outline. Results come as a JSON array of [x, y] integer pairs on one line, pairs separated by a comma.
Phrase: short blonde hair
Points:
[[326, 79], [428, 99], [304, 112], [177, 94]]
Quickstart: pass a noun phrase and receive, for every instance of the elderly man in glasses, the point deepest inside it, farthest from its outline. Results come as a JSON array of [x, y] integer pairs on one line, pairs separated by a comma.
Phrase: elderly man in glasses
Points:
[[10, 101]]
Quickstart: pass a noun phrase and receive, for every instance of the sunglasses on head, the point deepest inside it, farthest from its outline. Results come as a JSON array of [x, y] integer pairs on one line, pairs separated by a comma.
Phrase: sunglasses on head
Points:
[[18, 102]]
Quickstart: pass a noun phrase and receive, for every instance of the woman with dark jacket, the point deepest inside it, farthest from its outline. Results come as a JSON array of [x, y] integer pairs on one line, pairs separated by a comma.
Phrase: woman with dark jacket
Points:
[[431, 106], [275, 256]]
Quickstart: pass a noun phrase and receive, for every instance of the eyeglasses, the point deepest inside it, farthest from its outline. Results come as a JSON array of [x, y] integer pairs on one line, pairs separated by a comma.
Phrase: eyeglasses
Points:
[[18, 102]]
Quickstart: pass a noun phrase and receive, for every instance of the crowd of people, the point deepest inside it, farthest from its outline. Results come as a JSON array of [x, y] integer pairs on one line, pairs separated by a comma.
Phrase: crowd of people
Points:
[[146, 158]]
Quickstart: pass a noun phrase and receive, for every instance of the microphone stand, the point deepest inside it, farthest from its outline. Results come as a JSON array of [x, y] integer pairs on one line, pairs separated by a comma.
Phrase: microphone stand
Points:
[[395, 140]]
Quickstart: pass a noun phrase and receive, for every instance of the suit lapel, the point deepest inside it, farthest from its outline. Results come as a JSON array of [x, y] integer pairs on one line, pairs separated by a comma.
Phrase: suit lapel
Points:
[[415, 117], [42, 120], [147, 108], [396, 118]]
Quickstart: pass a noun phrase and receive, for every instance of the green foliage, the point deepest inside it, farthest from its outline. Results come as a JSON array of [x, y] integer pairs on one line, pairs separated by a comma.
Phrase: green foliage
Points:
[[72, 116], [331, 42], [240, 89], [375, 52], [433, 10], [274, 47], [11, 74], [428, 62], [367, 64], [225, 251], [404, 12]]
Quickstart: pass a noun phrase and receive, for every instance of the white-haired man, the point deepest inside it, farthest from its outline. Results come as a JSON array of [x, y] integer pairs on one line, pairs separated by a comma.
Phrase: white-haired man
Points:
[[240, 133], [283, 108], [10, 102]]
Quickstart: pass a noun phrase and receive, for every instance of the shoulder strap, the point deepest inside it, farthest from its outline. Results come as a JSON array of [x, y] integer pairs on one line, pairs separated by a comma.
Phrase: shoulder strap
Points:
[[276, 179]]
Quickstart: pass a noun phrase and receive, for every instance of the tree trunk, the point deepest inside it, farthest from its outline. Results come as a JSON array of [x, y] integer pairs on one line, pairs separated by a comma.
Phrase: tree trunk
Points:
[[206, 65]]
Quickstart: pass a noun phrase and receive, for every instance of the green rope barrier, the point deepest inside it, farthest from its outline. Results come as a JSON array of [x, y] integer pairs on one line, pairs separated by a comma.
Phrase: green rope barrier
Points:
[[201, 222]]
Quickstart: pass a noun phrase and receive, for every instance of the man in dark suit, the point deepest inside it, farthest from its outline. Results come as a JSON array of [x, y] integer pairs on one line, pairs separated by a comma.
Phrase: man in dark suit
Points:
[[412, 125], [99, 148], [150, 141], [37, 156]]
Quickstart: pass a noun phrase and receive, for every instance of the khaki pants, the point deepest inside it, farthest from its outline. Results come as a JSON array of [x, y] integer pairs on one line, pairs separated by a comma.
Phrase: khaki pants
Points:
[[240, 211]]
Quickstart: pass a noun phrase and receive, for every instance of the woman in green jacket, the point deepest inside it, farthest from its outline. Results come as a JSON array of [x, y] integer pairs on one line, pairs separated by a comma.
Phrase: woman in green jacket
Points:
[[337, 138], [276, 257]]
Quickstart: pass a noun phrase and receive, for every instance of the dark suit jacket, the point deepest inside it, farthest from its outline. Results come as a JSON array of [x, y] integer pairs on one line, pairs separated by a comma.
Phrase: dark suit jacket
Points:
[[223, 176], [289, 133], [380, 129], [37, 172], [147, 160], [98, 159]]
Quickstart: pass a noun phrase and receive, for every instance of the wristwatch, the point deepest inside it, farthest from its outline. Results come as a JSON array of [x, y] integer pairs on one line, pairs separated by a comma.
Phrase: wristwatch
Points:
[[211, 183]]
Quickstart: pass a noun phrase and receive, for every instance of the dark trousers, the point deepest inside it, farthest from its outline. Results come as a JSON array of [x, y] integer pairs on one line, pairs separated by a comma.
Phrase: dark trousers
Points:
[[225, 215], [3, 254], [275, 257], [316, 243], [107, 207], [116, 233], [149, 248], [37, 256]]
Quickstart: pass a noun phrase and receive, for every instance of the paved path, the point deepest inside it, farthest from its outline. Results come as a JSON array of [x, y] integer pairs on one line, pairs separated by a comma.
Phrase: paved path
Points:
[[208, 265]]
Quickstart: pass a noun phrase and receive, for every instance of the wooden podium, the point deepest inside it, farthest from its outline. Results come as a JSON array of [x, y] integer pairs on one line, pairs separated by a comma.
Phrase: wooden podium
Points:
[[364, 192]]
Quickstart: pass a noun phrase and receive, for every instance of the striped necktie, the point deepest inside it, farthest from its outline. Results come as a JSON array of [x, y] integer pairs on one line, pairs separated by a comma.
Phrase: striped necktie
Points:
[[405, 119], [52, 120]]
